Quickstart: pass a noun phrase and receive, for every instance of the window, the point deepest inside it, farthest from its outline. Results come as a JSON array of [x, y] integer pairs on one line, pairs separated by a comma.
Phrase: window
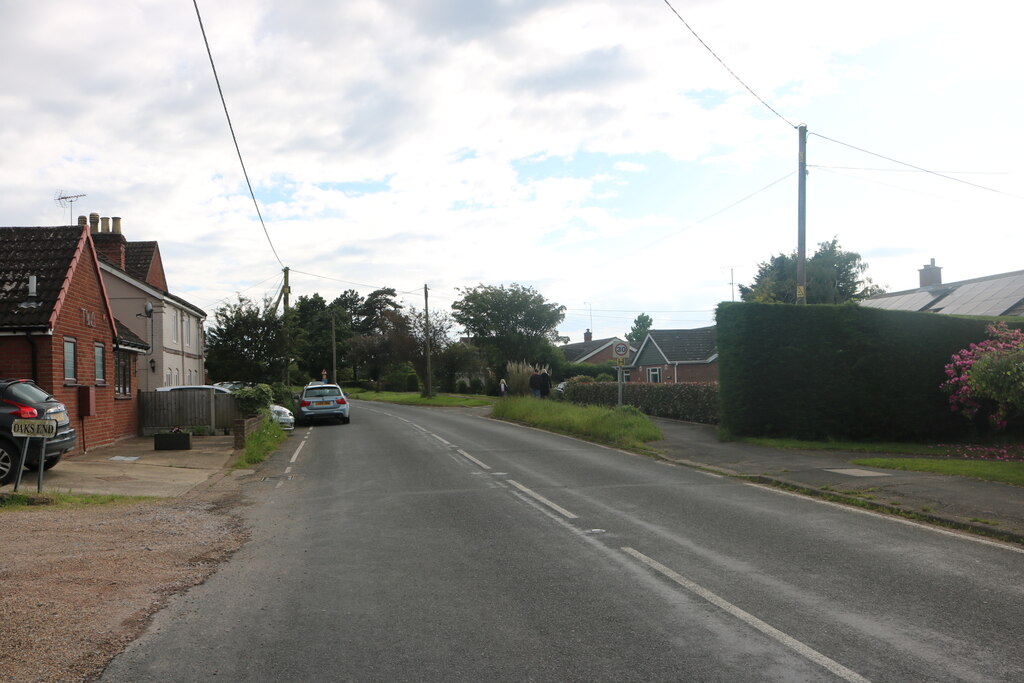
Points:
[[176, 378], [99, 354], [625, 375], [123, 372], [174, 326], [187, 333], [70, 362], [653, 374]]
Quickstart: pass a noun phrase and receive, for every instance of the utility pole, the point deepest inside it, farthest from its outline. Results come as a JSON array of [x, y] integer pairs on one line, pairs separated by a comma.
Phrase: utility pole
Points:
[[801, 219], [426, 334], [334, 353], [286, 289]]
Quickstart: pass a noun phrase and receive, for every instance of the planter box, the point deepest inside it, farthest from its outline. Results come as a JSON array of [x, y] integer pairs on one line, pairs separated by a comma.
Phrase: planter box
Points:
[[177, 441]]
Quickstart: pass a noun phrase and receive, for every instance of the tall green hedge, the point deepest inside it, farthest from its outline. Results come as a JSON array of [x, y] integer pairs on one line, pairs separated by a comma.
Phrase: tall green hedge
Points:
[[693, 402], [843, 372]]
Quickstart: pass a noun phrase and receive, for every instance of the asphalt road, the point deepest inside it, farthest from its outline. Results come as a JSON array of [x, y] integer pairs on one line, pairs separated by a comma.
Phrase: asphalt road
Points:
[[429, 545]]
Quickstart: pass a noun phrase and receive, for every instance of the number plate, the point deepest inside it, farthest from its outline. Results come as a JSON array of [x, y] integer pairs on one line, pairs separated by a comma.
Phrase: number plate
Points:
[[322, 403]]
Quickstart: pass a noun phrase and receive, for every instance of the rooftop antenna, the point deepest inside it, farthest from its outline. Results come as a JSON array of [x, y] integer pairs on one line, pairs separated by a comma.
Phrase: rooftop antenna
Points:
[[63, 199]]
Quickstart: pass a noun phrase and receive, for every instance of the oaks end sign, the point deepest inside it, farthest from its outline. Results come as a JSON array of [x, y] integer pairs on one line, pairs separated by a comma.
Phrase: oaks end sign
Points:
[[39, 429]]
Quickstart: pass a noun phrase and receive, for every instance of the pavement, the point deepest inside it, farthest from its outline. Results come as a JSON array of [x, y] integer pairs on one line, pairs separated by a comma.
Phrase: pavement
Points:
[[132, 467]]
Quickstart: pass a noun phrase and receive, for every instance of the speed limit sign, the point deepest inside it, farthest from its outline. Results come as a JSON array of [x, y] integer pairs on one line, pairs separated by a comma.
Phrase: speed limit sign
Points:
[[621, 350]]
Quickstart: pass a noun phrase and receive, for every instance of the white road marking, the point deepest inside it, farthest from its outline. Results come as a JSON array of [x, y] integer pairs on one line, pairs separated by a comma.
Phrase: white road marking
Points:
[[471, 458], [770, 631], [446, 443], [296, 455], [536, 496]]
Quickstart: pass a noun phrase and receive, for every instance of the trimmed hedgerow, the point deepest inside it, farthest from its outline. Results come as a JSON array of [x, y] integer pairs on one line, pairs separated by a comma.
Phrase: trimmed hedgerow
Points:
[[691, 401]]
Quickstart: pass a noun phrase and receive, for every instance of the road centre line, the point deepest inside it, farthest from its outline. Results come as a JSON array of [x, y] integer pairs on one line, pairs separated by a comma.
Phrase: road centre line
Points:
[[539, 498], [770, 631], [446, 443], [296, 455], [471, 458]]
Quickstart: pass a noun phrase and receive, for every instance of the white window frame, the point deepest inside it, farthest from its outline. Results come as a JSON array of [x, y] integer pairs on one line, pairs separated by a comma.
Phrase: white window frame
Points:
[[654, 375]]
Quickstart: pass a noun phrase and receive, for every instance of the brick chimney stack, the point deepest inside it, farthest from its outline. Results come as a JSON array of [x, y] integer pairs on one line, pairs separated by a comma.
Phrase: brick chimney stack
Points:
[[931, 275], [587, 336], [110, 244]]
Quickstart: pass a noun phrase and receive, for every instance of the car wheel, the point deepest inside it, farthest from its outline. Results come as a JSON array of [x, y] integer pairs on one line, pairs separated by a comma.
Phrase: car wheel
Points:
[[345, 420], [8, 460]]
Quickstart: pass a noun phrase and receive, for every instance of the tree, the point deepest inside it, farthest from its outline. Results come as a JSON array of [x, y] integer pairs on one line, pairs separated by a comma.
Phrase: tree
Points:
[[246, 343], [833, 276], [641, 326], [441, 337], [388, 343], [514, 323], [371, 312], [991, 371]]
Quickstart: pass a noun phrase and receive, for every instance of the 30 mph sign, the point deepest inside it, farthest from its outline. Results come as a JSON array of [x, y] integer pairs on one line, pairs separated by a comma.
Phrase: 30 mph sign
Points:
[[40, 429], [621, 350]]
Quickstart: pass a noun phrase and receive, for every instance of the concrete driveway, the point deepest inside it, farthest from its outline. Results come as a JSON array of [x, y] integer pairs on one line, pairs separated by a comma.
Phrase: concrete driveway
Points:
[[133, 468]]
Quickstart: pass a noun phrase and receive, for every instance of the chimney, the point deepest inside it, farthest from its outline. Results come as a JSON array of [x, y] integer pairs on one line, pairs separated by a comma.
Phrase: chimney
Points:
[[104, 224], [110, 245], [94, 222], [931, 275], [588, 337], [83, 221], [116, 220]]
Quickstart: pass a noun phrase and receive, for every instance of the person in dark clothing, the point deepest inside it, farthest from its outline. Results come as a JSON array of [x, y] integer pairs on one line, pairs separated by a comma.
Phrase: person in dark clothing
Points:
[[535, 384], [545, 384]]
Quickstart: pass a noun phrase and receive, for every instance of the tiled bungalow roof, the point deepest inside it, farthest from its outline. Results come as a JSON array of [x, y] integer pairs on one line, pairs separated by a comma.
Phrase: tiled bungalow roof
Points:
[[128, 339], [574, 353], [663, 347], [45, 252]]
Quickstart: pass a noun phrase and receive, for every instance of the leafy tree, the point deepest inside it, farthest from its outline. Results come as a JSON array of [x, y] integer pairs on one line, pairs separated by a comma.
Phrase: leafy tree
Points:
[[246, 342], [457, 360], [311, 333], [441, 333], [388, 343], [641, 326], [833, 276], [514, 323], [371, 314]]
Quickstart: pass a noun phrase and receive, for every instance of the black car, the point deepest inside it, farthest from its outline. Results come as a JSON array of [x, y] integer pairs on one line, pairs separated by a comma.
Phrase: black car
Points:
[[23, 399]]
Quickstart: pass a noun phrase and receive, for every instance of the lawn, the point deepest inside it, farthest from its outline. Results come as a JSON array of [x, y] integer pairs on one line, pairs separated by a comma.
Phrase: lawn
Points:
[[623, 427], [414, 398], [1000, 471]]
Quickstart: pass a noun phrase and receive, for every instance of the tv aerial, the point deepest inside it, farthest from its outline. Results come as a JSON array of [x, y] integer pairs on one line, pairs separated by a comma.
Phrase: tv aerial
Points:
[[63, 199]]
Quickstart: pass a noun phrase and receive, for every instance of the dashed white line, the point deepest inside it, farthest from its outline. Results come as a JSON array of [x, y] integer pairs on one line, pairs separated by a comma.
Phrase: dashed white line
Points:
[[466, 455], [536, 496], [296, 454], [772, 632]]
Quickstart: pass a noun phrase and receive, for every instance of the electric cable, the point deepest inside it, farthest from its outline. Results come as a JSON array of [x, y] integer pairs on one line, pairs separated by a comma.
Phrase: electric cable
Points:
[[233, 137]]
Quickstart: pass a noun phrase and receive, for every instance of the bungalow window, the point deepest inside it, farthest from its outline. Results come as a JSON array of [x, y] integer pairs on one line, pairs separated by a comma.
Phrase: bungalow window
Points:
[[70, 362], [625, 375], [99, 353], [653, 374], [123, 372]]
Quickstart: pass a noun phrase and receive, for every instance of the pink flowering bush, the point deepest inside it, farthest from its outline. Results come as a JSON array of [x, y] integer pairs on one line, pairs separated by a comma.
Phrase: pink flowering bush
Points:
[[993, 370]]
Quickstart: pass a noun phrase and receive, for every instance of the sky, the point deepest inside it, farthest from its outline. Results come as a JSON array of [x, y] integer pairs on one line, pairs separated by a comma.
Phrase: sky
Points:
[[595, 150]]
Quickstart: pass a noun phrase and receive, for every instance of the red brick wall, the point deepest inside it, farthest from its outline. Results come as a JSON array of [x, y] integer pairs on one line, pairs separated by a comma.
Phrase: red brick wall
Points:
[[695, 372], [85, 317]]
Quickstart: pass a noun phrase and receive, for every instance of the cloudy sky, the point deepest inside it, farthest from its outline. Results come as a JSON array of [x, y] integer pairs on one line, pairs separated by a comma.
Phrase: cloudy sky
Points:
[[592, 149]]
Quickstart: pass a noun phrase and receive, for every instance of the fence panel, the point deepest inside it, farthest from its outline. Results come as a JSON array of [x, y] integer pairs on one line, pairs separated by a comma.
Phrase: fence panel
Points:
[[163, 410]]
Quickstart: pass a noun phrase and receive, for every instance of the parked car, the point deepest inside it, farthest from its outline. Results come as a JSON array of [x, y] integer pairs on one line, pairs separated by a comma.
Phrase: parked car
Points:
[[184, 387], [321, 401], [283, 416], [23, 399], [231, 386]]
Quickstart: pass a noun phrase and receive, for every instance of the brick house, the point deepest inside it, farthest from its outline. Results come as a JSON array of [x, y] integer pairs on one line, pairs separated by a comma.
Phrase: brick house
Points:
[[592, 351], [676, 356], [133, 273], [57, 327]]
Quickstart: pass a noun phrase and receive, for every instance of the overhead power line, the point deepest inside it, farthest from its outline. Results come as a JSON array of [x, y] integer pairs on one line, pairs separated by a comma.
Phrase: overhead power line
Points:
[[233, 137], [726, 66], [916, 168]]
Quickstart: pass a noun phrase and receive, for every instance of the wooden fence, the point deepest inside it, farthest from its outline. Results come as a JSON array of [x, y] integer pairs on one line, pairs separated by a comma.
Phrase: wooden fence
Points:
[[163, 410]]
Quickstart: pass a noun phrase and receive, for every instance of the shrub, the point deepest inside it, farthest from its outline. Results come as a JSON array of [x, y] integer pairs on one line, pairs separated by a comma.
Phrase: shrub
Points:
[[692, 401], [251, 399]]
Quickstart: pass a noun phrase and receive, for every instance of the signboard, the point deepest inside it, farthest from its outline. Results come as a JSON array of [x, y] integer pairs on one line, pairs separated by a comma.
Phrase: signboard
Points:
[[619, 361], [620, 350], [40, 429]]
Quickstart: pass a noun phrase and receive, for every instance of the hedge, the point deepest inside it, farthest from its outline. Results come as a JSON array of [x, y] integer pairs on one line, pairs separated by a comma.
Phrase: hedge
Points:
[[693, 402]]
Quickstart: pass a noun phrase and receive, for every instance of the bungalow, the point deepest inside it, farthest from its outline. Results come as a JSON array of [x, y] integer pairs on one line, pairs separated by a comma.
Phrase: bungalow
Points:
[[676, 356], [57, 328], [993, 295], [592, 351]]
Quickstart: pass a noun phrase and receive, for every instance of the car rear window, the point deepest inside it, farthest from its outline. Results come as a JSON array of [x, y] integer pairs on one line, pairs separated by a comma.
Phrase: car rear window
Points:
[[323, 391], [23, 392]]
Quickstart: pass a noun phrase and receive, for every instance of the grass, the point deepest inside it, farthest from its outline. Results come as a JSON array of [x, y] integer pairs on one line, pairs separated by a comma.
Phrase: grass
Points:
[[1004, 472], [414, 398], [260, 444], [624, 428], [67, 501]]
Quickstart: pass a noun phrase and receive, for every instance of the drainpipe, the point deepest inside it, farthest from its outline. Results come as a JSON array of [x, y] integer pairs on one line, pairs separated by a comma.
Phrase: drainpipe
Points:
[[35, 356]]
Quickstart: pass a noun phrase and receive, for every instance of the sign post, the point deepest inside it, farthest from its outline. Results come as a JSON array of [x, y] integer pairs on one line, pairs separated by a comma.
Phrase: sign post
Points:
[[620, 351], [33, 429]]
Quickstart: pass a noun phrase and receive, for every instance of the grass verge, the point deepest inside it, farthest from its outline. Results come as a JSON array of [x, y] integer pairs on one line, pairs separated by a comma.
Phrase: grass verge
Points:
[[1004, 472], [623, 427], [415, 399], [261, 443], [71, 501]]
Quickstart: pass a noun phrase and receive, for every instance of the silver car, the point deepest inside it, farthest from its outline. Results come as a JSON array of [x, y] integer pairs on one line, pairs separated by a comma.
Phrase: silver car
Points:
[[283, 417], [321, 401]]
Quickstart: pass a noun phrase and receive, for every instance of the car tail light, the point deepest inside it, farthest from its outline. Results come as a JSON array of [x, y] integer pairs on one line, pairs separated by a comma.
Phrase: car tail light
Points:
[[304, 404], [24, 412], [342, 401]]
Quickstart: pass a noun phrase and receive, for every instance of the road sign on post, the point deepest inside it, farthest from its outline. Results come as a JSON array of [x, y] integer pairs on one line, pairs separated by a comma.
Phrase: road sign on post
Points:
[[33, 429], [619, 353]]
